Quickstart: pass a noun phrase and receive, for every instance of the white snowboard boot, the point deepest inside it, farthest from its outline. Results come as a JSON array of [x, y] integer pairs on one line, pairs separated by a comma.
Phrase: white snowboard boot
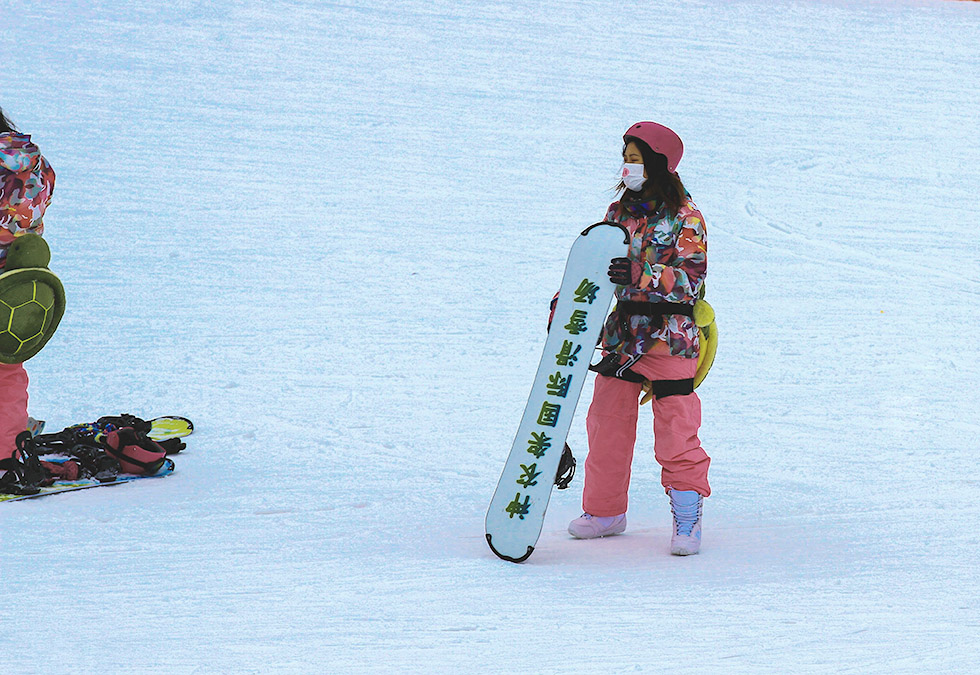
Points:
[[588, 526], [686, 505]]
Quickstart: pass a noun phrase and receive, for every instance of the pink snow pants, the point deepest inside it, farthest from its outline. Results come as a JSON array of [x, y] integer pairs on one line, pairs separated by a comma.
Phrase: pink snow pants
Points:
[[13, 406], [611, 426]]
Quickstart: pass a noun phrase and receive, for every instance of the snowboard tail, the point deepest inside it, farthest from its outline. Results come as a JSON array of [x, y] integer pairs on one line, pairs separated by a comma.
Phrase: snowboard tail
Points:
[[502, 556], [171, 426]]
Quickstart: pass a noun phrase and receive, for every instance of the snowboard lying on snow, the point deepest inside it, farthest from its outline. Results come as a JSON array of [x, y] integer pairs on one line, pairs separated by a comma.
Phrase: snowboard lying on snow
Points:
[[85, 483], [162, 428]]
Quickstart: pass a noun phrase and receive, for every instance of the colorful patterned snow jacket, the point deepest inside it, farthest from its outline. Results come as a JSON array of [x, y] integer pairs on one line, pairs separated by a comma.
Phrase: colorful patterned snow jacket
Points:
[[26, 185], [672, 253]]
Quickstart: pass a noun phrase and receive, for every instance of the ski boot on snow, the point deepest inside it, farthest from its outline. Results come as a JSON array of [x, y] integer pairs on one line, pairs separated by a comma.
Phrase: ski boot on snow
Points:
[[686, 537], [588, 526]]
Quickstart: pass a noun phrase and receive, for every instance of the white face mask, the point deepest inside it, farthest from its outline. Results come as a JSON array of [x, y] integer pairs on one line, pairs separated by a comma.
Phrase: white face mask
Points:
[[633, 176]]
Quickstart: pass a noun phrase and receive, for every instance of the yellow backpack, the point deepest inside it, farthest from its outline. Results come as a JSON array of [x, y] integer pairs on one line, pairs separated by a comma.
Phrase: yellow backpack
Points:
[[704, 317]]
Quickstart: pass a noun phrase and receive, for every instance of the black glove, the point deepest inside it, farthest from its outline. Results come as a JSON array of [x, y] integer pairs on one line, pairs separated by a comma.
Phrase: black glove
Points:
[[621, 271], [551, 315]]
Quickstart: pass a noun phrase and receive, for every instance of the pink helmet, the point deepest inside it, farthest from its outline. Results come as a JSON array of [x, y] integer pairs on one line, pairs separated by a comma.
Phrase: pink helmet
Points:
[[660, 139]]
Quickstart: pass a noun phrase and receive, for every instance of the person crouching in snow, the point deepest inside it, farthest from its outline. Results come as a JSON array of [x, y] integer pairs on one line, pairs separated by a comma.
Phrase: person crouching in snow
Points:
[[26, 184], [650, 335]]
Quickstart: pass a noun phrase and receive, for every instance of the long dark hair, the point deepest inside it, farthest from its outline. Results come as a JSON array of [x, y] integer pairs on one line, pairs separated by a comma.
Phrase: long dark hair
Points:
[[662, 185], [6, 126]]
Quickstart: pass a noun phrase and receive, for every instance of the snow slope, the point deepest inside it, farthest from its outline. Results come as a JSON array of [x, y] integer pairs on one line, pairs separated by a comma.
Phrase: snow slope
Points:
[[328, 232]]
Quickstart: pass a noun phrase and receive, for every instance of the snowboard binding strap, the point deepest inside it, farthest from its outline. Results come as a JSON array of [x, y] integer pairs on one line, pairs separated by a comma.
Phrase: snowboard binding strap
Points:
[[135, 452], [24, 473], [566, 469]]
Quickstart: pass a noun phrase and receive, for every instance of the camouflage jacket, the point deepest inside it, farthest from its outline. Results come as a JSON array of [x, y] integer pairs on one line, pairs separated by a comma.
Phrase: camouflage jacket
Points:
[[671, 252], [26, 185]]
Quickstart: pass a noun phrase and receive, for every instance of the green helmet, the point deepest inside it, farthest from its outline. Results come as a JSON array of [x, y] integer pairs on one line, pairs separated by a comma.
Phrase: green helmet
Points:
[[32, 300]]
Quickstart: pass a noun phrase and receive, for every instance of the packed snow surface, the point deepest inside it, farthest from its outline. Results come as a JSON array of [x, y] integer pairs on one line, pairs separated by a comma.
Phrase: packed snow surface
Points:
[[328, 232]]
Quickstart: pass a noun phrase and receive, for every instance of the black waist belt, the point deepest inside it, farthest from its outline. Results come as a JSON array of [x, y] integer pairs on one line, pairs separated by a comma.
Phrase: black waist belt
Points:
[[638, 308], [657, 311], [610, 366]]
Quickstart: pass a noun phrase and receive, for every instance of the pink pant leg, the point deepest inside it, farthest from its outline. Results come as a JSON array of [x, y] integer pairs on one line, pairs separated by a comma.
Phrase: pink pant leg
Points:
[[611, 426], [676, 420], [13, 406]]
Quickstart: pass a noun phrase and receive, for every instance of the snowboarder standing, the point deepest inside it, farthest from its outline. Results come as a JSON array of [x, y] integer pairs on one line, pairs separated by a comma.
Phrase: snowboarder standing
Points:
[[26, 185], [650, 336]]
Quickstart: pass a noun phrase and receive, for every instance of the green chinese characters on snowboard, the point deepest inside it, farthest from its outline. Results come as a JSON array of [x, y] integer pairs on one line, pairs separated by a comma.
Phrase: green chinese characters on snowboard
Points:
[[516, 514]]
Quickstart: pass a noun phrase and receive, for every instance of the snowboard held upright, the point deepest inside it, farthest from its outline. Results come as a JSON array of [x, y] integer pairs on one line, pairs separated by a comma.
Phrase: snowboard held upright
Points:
[[516, 514]]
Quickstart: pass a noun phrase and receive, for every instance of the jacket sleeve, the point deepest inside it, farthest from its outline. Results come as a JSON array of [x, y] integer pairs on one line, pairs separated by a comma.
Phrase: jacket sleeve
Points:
[[679, 277], [26, 185]]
